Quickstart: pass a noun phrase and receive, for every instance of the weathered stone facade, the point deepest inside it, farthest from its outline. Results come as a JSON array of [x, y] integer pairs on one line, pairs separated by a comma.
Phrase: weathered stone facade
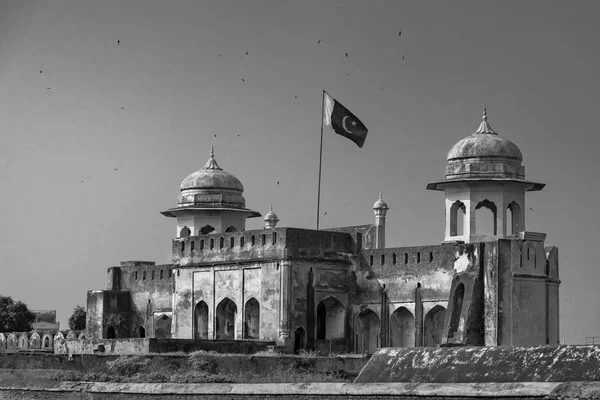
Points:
[[341, 289]]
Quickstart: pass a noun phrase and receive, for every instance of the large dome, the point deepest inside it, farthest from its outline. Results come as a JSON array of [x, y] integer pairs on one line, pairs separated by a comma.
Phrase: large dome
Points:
[[211, 176], [485, 155]]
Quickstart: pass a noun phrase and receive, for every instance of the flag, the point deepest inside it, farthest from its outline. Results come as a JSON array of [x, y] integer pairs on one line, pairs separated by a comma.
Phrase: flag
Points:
[[343, 121]]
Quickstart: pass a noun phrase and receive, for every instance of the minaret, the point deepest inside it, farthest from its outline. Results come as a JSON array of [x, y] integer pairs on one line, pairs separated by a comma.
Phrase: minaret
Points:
[[380, 207]]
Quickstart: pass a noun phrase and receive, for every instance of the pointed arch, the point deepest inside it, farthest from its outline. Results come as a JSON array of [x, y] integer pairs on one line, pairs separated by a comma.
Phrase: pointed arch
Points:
[[368, 328], [331, 315], [485, 218], [299, 339], [205, 230], [513, 216], [184, 232], [225, 321], [434, 326], [459, 294], [35, 342], [162, 326], [458, 213], [201, 321], [231, 228], [402, 328], [141, 332], [252, 319], [111, 332]]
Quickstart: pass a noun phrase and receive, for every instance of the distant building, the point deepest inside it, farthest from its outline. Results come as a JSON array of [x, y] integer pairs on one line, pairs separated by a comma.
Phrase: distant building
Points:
[[45, 320], [489, 283]]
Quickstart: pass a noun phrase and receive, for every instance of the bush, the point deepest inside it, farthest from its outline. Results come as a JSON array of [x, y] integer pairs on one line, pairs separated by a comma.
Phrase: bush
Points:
[[201, 361], [128, 365]]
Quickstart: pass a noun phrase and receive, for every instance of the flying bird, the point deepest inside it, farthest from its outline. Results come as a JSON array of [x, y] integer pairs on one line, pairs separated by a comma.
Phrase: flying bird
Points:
[[215, 135], [346, 55], [295, 97], [278, 182], [219, 55], [325, 213], [122, 108], [319, 41], [118, 42], [238, 135], [243, 80], [48, 88], [81, 181], [403, 56], [400, 33], [115, 169], [348, 74], [246, 53], [40, 71], [531, 208]]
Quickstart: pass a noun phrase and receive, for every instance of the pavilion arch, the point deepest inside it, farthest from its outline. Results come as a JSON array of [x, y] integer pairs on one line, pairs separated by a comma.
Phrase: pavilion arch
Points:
[[368, 330], [206, 229], [252, 319], [81, 336], [457, 302], [434, 326], [513, 216], [225, 320], [185, 232], [458, 213], [141, 332], [331, 315], [201, 321], [111, 332], [2, 341], [162, 326], [71, 335], [485, 217], [402, 328], [11, 341], [231, 228]]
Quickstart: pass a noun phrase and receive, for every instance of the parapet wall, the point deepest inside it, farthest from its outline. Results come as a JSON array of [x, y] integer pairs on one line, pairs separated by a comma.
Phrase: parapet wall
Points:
[[483, 364]]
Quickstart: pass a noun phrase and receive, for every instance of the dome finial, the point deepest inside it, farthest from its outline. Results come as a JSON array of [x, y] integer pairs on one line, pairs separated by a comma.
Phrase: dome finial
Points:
[[381, 195], [212, 163], [271, 219], [484, 127]]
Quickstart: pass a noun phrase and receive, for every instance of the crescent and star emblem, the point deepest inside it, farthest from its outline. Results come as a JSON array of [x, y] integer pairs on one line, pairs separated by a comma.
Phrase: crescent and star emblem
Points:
[[344, 124]]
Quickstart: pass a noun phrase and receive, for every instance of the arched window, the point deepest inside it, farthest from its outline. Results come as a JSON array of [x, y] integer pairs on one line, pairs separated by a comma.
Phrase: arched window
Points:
[[201, 321], [252, 319], [434, 326], [184, 232], [485, 217], [394, 258], [331, 315], [274, 238], [231, 228], [141, 332], [206, 229], [513, 216], [369, 331], [430, 256], [242, 241], [162, 328], [225, 321], [405, 258], [182, 244], [221, 243], [111, 333], [459, 295], [232, 242], [458, 212], [402, 328]]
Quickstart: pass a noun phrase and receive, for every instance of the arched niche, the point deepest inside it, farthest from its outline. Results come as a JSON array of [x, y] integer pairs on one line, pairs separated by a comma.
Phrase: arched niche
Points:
[[225, 321], [458, 213], [457, 302], [206, 229], [201, 321], [402, 328], [368, 328], [185, 232], [485, 218], [434, 326], [331, 315], [252, 319]]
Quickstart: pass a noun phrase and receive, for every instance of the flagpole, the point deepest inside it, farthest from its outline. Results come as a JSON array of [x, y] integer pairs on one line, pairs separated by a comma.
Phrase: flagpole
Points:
[[320, 162]]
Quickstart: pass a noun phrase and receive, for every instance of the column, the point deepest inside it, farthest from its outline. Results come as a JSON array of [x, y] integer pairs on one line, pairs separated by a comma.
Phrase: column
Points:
[[285, 274]]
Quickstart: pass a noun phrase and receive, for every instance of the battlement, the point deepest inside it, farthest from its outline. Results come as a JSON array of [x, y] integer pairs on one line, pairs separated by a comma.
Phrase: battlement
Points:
[[132, 275], [260, 244]]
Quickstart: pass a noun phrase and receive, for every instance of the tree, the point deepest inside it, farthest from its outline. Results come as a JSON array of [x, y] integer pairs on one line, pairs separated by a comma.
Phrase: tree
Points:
[[14, 317], [77, 320]]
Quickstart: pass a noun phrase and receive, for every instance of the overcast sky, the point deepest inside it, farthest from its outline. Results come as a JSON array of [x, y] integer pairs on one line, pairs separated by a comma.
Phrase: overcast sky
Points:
[[151, 105]]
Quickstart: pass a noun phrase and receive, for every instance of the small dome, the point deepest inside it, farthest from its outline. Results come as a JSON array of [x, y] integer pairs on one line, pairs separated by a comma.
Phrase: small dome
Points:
[[380, 204], [211, 176], [485, 143], [271, 219]]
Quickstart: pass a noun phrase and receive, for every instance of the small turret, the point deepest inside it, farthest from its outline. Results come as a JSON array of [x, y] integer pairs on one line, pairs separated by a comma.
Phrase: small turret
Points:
[[271, 219], [380, 207]]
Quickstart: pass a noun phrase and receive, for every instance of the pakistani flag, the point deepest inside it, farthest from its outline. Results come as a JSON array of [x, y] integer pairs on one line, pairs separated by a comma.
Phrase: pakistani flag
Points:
[[343, 121]]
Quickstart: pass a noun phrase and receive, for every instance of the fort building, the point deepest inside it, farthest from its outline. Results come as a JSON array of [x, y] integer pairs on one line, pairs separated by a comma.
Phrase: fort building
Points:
[[490, 282]]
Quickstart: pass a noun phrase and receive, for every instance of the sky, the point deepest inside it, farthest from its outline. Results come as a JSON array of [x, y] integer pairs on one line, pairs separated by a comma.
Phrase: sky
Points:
[[97, 135]]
